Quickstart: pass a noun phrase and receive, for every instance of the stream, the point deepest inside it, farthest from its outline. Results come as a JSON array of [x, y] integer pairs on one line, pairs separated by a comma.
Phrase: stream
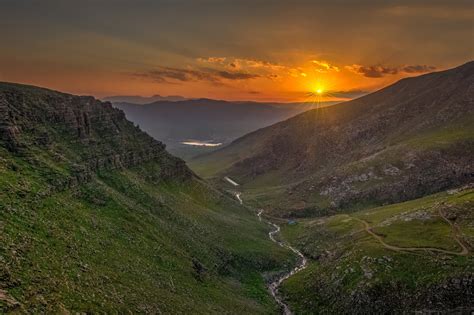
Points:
[[302, 263]]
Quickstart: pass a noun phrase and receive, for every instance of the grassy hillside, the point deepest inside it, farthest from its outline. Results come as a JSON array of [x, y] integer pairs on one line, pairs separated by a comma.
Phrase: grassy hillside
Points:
[[376, 192], [95, 216], [406, 257], [405, 141]]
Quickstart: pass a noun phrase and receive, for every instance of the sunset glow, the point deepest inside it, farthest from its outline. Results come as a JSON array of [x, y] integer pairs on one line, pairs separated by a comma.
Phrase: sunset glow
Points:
[[319, 89], [288, 48]]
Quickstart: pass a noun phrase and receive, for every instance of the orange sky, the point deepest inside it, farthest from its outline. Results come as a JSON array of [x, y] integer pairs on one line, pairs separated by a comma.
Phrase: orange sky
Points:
[[223, 78], [235, 50]]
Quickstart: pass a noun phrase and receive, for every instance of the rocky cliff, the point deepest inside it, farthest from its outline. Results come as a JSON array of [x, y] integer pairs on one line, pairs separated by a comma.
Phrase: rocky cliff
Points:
[[95, 135]]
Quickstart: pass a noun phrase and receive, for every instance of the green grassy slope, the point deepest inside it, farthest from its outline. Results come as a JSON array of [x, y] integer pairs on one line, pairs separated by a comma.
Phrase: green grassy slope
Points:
[[423, 260], [96, 217]]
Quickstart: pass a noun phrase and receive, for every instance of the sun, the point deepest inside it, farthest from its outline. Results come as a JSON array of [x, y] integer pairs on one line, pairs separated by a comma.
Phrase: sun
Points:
[[319, 90]]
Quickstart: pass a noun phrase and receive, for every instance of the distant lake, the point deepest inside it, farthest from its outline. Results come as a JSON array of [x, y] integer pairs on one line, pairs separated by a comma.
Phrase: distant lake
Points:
[[201, 143]]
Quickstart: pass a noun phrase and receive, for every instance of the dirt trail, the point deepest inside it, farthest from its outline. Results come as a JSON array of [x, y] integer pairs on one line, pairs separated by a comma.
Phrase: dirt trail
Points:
[[456, 233], [463, 252]]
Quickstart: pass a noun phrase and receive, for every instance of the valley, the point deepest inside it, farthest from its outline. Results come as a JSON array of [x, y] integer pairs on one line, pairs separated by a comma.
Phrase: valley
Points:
[[385, 220], [374, 150], [223, 157], [274, 286], [91, 206], [199, 126]]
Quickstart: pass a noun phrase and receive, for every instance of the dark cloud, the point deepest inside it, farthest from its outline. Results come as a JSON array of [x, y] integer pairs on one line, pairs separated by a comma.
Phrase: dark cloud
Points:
[[236, 75], [171, 75], [418, 69], [163, 74], [379, 71], [375, 72]]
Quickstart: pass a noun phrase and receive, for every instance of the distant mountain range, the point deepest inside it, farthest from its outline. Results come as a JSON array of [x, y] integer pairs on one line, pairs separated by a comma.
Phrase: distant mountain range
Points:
[[136, 99], [206, 121]]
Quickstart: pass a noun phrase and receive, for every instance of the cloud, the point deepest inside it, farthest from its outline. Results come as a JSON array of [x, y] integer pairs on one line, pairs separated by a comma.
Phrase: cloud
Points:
[[213, 59], [171, 75], [259, 68], [324, 66], [418, 69], [221, 61], [236, 75], [242, 63], [379, 71], [372, 71], [163, 74], [296, 72]]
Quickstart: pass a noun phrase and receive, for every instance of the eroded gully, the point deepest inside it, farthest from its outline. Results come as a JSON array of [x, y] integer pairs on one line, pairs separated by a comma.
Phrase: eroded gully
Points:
[[302, 262]]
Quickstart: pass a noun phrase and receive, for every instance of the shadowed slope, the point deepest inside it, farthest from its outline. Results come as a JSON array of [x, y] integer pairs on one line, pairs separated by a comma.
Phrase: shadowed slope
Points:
[[411, 138]]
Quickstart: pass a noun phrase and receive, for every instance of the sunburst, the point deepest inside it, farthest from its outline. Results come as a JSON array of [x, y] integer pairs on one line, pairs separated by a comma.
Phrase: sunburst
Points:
[[317, 94]]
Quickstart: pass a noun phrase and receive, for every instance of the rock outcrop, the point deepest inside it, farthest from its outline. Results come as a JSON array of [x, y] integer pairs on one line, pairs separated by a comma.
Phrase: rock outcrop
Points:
[[96, 135]]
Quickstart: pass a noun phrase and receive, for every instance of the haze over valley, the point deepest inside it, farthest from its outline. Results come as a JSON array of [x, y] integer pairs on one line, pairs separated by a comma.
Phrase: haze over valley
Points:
[[193, 127]]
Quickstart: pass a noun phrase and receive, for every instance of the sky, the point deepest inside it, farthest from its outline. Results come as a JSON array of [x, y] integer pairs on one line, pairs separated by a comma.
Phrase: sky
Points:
[[264, 50]]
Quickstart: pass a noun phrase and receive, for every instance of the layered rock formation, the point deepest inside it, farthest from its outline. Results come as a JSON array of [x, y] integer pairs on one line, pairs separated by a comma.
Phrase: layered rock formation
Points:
[[96, 135]]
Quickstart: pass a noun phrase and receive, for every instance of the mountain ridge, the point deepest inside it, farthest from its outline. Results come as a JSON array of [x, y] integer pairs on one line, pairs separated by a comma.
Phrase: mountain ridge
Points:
[[389, 120], [137, 99], [377, 193], [84, 119]]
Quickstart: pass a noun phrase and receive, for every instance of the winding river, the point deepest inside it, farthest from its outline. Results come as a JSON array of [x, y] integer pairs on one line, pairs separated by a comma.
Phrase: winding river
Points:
[[302, 263]]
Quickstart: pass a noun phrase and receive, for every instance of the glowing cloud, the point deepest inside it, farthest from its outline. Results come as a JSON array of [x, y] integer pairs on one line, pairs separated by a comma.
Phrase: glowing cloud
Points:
[[378, 71], [324, 67]]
